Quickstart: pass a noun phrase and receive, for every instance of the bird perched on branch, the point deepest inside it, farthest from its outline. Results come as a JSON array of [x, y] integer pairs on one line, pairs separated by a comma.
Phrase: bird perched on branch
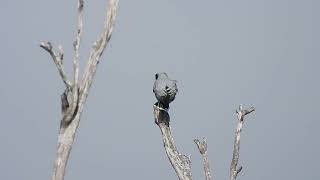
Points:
[[165, 89]]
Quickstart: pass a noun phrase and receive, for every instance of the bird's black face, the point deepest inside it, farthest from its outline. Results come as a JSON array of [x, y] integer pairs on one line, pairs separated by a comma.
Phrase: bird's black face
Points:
[[156, 76]]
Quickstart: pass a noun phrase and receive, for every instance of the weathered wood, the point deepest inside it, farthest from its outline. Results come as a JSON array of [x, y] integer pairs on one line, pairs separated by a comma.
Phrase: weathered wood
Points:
[[234, 170], [76, 93], [181, 163], [202, 146]]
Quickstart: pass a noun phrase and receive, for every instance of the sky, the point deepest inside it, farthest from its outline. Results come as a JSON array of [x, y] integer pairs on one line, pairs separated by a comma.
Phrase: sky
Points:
[[261, 53]]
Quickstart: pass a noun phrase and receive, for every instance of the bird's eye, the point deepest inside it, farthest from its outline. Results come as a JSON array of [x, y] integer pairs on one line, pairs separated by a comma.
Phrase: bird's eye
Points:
[[156, 76]]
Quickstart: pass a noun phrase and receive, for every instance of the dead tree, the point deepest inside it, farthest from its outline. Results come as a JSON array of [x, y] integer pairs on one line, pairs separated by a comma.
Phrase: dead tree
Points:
[[76, 90], [182, 163], [234, 170]]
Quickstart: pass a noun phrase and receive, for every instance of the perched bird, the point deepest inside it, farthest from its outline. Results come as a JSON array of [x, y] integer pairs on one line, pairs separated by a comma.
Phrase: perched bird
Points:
[[165, 89]]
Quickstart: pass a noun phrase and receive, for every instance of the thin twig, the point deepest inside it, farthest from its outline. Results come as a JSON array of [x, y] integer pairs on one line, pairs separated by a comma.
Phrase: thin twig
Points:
[[181, 163], [58, 60], [76, 46], [202, 146], [241, 113]]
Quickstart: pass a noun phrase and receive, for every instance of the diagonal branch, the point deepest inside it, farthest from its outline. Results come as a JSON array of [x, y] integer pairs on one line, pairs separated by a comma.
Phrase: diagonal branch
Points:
[[58, 60], [181, 163], [97, 49], [241, 113], [202, 146]]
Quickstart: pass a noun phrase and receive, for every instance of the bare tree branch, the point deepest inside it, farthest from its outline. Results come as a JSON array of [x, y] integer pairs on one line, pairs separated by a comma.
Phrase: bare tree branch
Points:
[[97, 49], [72, 99], [76, 46], [241, 113], [58, 60], [181, 163], [202, 146]]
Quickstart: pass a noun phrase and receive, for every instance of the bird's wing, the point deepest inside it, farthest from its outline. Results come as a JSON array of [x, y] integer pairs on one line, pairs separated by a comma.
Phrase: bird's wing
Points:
[[175, 85], [171, 88], [161, 92], [157, 88]]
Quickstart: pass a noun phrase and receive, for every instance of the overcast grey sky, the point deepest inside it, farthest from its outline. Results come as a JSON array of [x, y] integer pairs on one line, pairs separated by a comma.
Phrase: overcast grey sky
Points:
[[262, 53]]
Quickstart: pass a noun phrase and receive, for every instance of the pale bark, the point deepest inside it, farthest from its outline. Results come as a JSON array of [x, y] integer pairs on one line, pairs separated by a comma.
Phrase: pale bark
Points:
[[75, 94], [181, 163], [234, 170], [58, 60], [202, 146]]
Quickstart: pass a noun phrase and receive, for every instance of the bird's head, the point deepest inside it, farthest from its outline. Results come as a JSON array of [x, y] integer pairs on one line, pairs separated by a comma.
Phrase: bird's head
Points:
[[161, 75]]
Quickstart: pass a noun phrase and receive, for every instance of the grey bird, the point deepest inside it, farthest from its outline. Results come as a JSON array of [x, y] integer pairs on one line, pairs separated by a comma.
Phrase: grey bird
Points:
[[165, 89]]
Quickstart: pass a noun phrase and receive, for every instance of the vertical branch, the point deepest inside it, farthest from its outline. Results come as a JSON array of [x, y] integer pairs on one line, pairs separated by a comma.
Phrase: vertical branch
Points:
[[181, 163], [74, 96], [202, 146], [241, 113], [76, 44]]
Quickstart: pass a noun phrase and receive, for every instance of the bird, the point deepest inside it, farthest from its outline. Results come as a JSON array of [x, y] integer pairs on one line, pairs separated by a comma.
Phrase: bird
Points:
[[165, 89]]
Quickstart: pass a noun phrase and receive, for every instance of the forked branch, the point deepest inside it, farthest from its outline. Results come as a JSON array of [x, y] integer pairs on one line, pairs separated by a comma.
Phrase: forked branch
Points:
[[74, 96], [234, 170], [202, 146], [58, 60], [182, 163]]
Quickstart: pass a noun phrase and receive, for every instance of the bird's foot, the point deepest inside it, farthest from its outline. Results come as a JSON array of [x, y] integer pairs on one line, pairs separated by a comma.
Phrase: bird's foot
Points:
[[161, 106]]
